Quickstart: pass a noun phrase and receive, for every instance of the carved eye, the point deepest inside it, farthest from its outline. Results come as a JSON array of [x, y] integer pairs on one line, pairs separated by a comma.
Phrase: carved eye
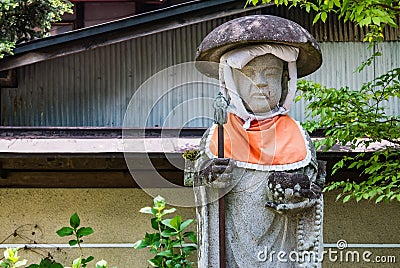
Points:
[[249, 72], [267, 73]]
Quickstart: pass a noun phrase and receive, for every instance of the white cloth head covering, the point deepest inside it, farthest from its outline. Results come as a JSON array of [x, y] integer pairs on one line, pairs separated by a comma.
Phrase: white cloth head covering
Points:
[[237, 59]]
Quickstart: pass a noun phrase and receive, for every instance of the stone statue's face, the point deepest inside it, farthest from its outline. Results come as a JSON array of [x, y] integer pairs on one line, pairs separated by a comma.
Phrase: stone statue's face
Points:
[[261, 89]]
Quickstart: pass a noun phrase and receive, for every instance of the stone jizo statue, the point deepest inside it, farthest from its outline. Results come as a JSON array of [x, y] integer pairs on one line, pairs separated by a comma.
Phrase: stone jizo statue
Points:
[[269, 174]]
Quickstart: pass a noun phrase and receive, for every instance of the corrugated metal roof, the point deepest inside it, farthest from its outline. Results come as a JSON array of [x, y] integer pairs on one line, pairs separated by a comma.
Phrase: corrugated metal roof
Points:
[[94, 87], [132, 21], [121, 30]]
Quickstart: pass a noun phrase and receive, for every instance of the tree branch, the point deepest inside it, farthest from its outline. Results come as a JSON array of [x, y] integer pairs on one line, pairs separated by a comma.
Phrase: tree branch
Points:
[[390, 120], [397, 9]]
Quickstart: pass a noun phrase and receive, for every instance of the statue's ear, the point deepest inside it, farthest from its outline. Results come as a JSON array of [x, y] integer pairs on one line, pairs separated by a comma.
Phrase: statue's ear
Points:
[[285, 85]]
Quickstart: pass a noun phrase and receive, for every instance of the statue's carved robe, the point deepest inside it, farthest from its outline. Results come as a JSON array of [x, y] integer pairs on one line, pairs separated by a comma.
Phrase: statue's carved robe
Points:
[[255, 234]]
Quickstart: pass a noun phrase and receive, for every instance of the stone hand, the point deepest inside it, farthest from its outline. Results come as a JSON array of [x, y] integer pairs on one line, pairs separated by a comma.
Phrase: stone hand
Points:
[[216, 172], [291, 191], [313, 192], [316, 190]]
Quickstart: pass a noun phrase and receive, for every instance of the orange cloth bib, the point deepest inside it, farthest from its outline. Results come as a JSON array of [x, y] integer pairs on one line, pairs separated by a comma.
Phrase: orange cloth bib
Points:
[[274, 141]]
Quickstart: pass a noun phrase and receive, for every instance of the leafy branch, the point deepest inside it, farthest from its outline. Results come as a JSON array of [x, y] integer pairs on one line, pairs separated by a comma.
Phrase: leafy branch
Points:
[[397, 9], [170, 241], [11, 258], [26, 20], [357, 119], [78, 234], [373, 14]]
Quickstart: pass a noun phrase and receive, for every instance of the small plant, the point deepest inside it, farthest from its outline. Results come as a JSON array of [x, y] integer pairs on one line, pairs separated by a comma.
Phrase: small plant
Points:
[[170, 242], [191, 155], [75, 221], [12, 259]]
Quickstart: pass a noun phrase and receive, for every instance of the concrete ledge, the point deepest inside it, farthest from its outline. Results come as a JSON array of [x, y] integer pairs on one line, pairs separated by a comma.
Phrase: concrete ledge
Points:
[[130, 145]]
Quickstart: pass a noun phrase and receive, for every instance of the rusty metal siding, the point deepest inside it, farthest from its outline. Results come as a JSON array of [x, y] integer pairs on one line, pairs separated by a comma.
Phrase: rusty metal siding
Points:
[[340, 60], [93, 88]]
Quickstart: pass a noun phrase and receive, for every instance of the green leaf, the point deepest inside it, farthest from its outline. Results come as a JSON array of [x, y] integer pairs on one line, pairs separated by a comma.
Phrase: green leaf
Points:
[[348, 187], [189, 249], [65, 231], [88, 259], [75, 221], [147, 210], [176, 222], [155, 262], [185, 224], [316, 18], [154, 223], [77, 263], [168, 211], [151, 238], [20, 263], [168, 233], [46, 263], [337, 3], [376, 20], [140, 244], [379, 199], [166, 253], [72, 242], [346, 198], [173, 223], [84, 231], [353, 164], [324, 16], [192, 236], [56, 265], [365, 21]]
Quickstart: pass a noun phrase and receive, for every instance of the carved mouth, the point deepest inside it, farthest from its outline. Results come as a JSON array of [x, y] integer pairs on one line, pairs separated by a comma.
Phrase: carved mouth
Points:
[[261, 95]]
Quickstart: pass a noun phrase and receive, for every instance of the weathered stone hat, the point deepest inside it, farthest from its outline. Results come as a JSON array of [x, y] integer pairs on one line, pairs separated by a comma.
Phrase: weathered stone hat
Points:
[[257, 29]]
